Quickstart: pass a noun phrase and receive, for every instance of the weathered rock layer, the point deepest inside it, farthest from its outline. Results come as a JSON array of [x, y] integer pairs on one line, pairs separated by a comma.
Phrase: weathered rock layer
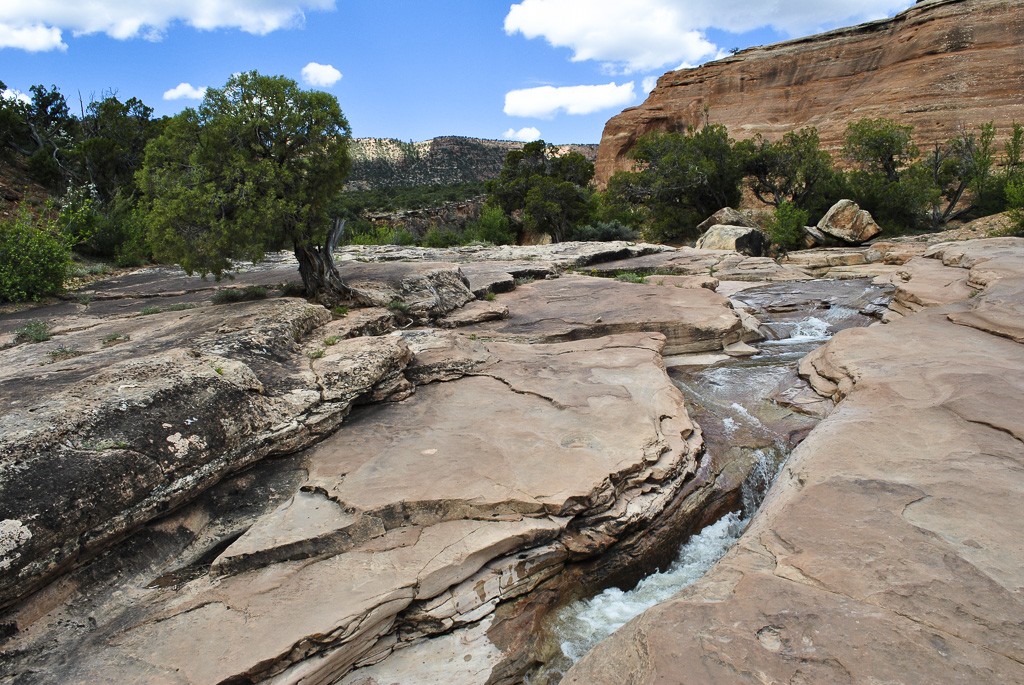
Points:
[[939, 65]]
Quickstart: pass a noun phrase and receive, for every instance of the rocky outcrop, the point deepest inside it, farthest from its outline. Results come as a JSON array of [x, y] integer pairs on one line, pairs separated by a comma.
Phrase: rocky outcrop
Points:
[[139, 415], [575, 307], [743, 239], [884, 552], [688, 261], [848, 223], [939, 65]]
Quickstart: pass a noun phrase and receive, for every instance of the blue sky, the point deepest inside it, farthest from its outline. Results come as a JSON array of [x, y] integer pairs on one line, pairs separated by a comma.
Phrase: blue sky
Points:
[[407, 69]]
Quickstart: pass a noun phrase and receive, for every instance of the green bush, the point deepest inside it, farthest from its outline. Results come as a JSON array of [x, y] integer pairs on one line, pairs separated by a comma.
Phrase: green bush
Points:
[[631, 277], [603, 231], [246, 294], [33, 331], [34, 259], [492, 227], [785, 228], [1015, 200], [441, 237]]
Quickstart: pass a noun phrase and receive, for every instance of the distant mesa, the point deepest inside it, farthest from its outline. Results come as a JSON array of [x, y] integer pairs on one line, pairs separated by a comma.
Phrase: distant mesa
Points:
[[940, 65], [449, 160]]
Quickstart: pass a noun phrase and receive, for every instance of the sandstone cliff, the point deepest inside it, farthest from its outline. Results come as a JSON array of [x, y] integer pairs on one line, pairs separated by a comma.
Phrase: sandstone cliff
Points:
[[938, 65]]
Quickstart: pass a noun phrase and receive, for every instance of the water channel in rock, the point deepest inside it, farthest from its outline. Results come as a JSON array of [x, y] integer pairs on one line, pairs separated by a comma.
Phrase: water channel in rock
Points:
[[743, 408]]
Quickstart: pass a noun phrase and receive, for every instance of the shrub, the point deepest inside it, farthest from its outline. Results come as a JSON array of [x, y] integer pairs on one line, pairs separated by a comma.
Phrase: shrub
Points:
[[1015, 200], [785, 226], [492, 227], [152, 309], [631, 277], [33, 332], [603, 231], [246, 294], [441, 237], [34, 259]]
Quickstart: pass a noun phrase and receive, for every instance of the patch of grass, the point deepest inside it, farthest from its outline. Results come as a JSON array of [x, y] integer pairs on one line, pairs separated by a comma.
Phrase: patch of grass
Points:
[[398, 306], [490, 297], [630, 277], [182, 306], [151, 309], [331, 340], [83, 298], [218, 370], [33, 332], [339, 312], [293, 289], [115, 338], [246, 294], [316, 354], [61, 353], [525, 280]]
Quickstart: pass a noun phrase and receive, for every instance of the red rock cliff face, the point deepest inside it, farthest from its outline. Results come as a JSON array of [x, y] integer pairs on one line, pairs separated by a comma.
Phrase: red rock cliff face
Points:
[[938, 65]]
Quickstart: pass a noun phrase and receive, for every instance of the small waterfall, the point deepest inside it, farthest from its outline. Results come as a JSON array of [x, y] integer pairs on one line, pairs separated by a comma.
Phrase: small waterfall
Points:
[[583, 624]]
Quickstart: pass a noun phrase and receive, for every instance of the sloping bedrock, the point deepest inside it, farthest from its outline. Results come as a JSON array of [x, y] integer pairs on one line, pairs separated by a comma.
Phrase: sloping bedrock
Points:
[[890, 549], [148, 412], [426, 512], [575, 307], [688, 261], [426, 290]]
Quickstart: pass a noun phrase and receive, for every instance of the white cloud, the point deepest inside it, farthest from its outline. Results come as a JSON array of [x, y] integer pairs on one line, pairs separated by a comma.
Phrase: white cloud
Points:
[[649, 83], [185, 91], [643, 35], [38, 25], [12, 94], [322, 75], [545, 101], [526, 135], [31, 37]]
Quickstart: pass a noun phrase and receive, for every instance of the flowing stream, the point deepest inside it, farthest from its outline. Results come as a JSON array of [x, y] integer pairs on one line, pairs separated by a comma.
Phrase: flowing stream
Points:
[[732, 402]]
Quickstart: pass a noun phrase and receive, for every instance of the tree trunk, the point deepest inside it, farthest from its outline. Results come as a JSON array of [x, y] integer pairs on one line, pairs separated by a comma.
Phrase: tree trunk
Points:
[[319, 274]]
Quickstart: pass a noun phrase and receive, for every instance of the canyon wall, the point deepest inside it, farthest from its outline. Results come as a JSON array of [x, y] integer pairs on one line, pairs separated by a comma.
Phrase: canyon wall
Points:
[[939, 65]]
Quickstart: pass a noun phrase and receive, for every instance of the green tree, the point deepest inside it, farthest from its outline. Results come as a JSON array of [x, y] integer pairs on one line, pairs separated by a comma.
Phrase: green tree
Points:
[[543, 191], [255, 167], [890, 182], [880, 146], [683, 178], [795, 169]]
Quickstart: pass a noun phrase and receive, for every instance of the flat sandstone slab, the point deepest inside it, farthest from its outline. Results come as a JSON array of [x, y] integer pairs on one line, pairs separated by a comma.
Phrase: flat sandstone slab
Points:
[[575, 307]]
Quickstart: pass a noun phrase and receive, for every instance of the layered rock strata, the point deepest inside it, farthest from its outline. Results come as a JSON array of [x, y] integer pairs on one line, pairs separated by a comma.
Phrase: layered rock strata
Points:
[[159, 439], [938, 66], [888, 550]]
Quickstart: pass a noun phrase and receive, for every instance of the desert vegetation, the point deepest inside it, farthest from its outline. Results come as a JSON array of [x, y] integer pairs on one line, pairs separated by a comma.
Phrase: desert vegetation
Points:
[[229, 180]]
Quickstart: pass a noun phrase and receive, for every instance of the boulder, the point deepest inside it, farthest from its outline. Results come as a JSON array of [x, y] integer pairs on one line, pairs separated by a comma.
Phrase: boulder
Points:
[[743, 239], [727, 216], [849, 223]]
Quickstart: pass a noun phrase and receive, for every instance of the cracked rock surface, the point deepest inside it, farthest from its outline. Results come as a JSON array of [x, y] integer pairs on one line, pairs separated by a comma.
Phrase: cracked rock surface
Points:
[[889, 549]]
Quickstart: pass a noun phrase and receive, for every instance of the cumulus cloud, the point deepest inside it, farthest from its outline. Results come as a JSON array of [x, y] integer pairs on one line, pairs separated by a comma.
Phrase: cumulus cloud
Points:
[[12, 94], [649, 83], [322, 75], [31, 37], [33, 25], [644, 35], [526, 135], [185, 91], [545, 101]]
